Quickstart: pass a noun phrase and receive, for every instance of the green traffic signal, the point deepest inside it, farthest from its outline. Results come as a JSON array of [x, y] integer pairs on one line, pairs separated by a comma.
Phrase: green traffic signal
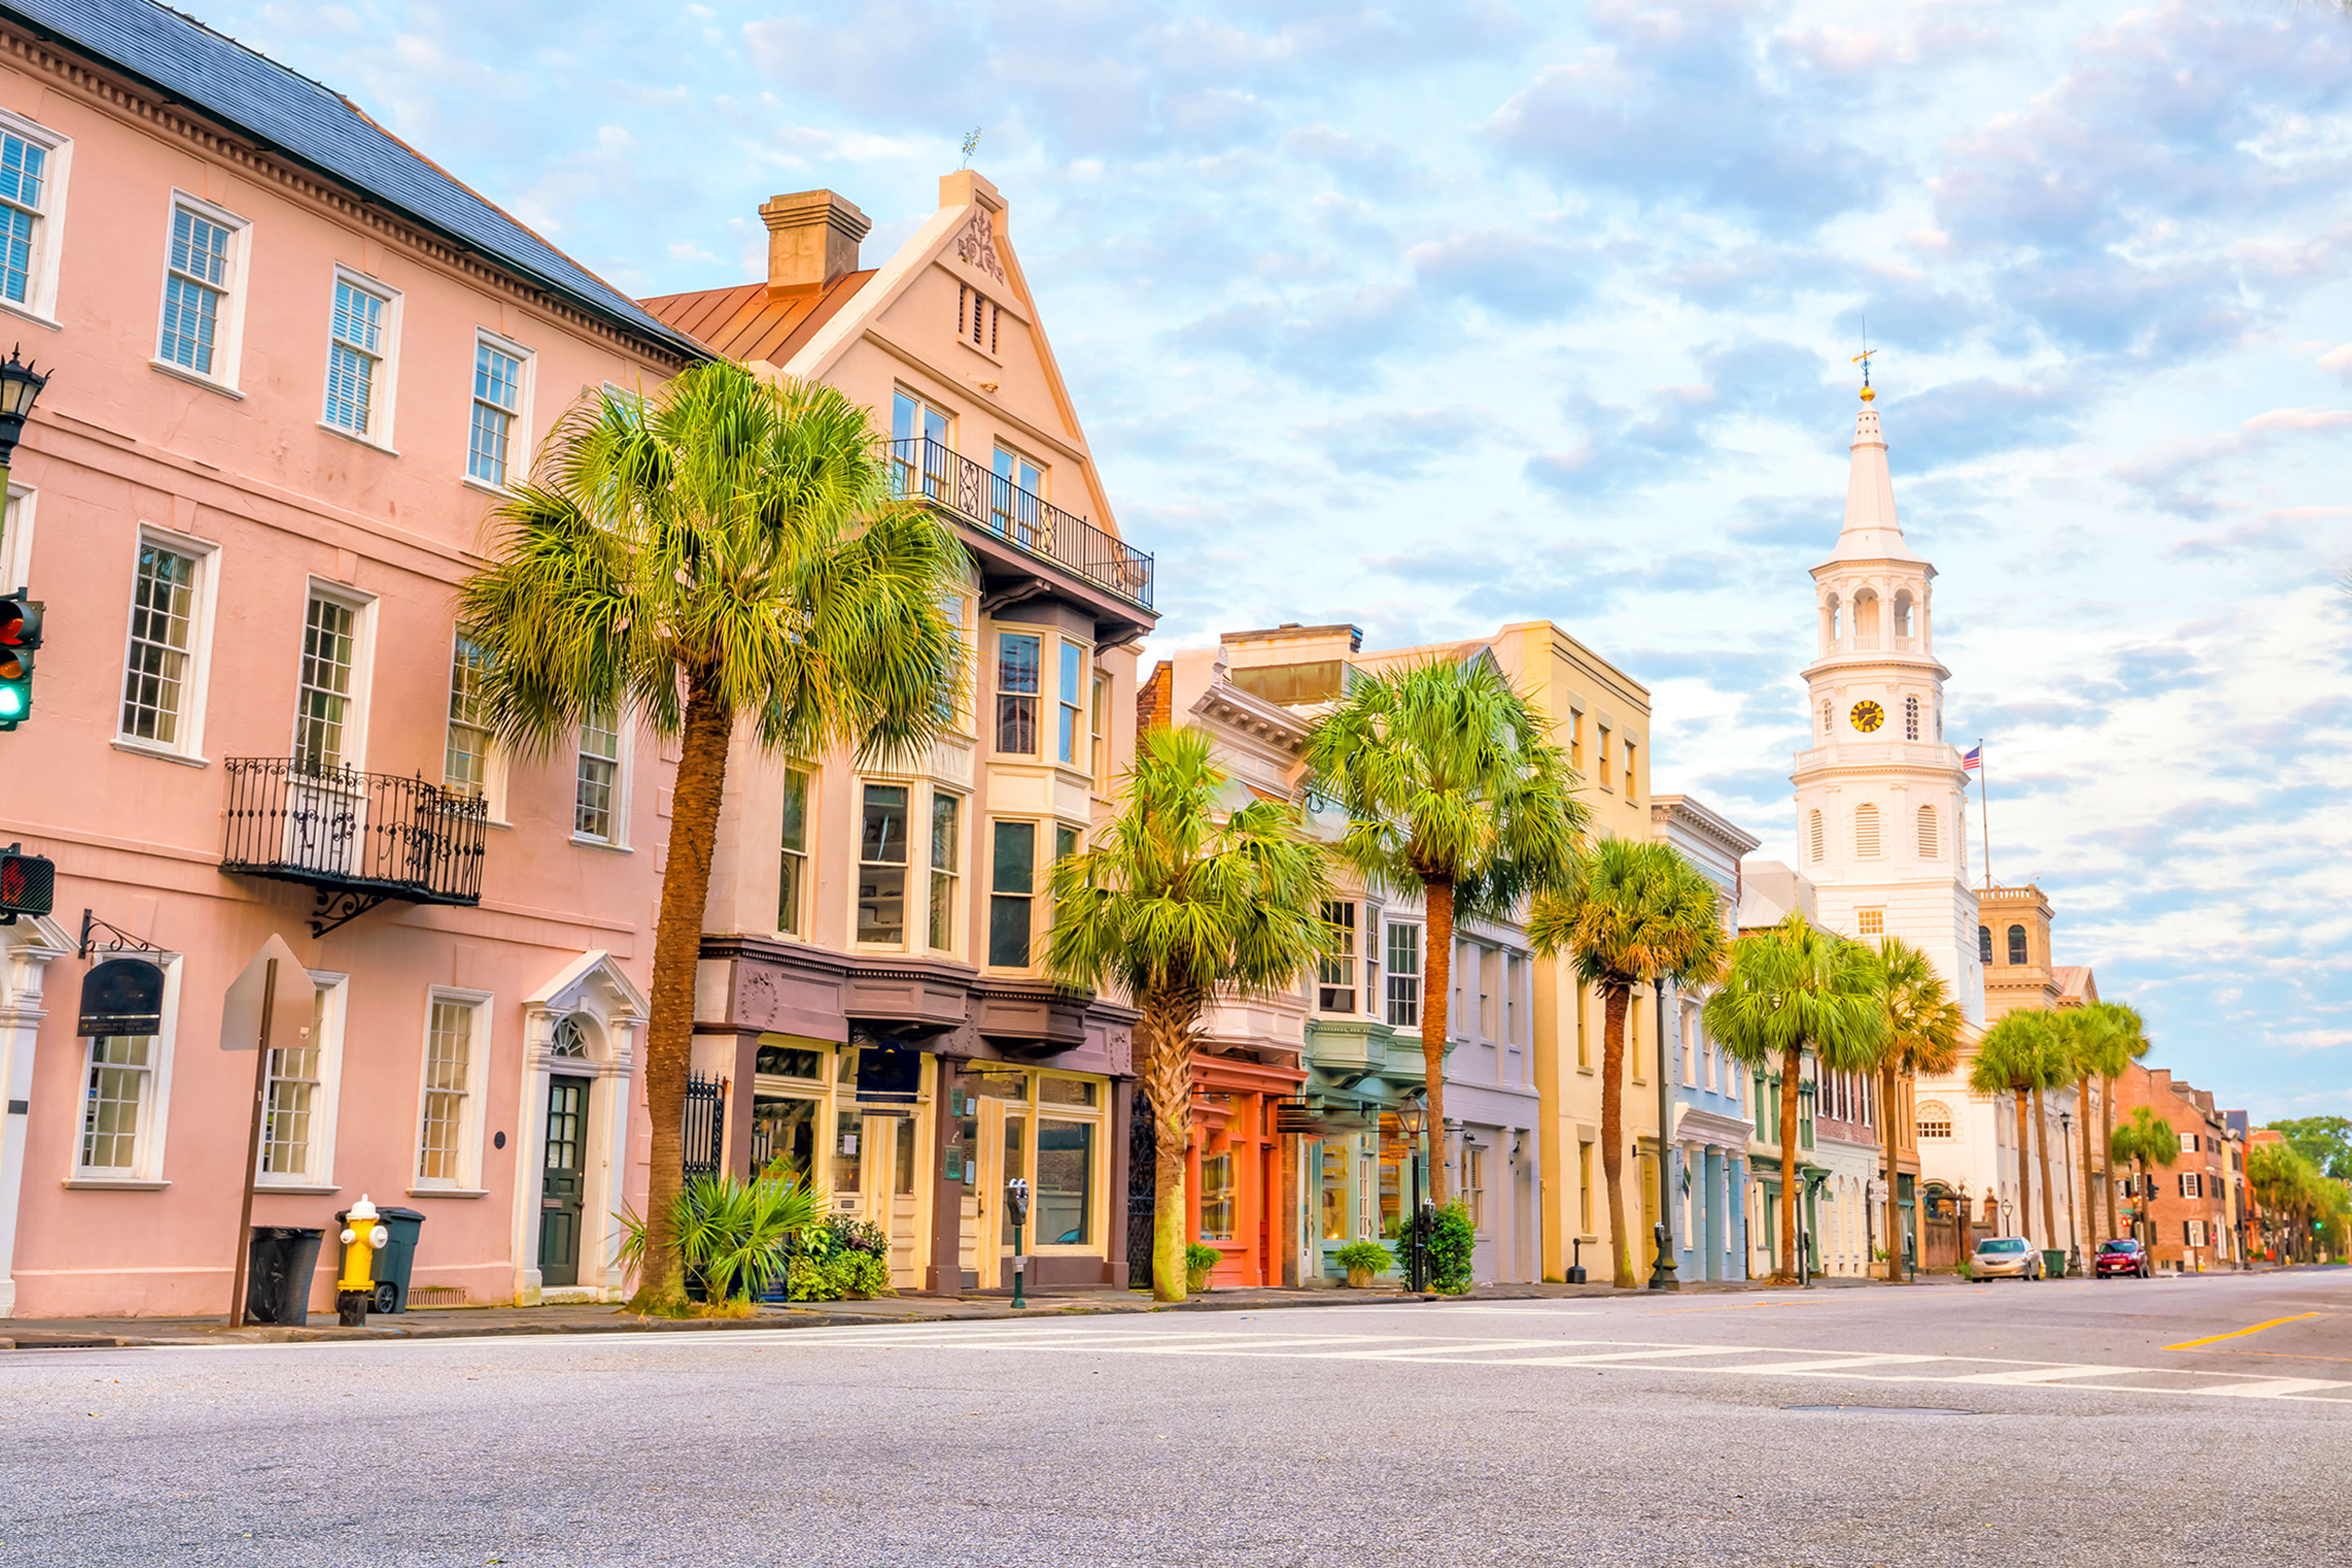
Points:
[[20, 634]]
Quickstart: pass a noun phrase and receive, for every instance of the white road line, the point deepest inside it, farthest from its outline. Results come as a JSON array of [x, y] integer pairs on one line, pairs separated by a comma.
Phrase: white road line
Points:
[[1634, 1356]]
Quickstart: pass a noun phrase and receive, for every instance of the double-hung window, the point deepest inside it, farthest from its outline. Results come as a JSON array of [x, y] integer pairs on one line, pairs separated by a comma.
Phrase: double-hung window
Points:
[[1012, 892], [882, 866], [1099, 720], [294, 1113], [596, 784], [158, 666], [1017, 656], [118, 1104], [1074, 676], [793, 873], [323, 711], [1404, 975], [466, 752], [1016, 508], [946, 836], [25, 189], [1336, 969], [198, 304], [359, 338], [445, 1135], [498, 406], [920, 447]]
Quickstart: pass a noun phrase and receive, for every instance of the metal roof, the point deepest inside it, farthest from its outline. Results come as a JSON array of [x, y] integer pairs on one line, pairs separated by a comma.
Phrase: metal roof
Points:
[[188, 63]]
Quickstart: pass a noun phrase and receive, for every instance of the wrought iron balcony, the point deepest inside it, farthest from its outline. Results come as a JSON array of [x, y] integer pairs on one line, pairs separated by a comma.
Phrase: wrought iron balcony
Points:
[[358, 838], [920, 465]]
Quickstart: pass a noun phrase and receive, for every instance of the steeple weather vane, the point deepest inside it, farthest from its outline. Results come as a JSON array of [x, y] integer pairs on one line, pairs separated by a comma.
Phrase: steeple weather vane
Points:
[[970, 145], [1862, 358]]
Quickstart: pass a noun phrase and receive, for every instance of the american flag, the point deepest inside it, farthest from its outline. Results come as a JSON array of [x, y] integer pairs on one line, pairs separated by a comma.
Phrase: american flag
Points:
[[1972, 759]]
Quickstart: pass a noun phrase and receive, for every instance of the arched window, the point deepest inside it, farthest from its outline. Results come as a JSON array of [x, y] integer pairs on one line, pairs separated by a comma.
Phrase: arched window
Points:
[[1814, 832], [1934, 1120], [1910, 718], [2017, 945], [1865, 619], [1837, 621], [570, 1040], [1865, 831], [1903, 618], [1929, 848], [1984, 944]]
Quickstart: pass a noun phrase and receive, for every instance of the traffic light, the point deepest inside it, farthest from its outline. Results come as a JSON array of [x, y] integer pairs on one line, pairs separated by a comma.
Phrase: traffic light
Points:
[[28, 884], [20, 634]]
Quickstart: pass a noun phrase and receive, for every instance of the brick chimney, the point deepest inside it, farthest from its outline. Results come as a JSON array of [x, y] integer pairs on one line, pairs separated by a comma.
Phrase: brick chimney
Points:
[[812, 240]]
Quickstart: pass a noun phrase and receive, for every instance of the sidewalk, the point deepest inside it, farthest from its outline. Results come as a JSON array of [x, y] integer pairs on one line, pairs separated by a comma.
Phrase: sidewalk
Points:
[[482, 1322]]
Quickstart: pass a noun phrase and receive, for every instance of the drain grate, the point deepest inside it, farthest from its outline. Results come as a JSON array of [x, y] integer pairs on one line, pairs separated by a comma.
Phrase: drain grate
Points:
[[1886, 1409]]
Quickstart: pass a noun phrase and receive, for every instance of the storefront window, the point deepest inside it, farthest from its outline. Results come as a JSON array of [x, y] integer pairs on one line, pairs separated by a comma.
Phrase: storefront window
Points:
[[1065, 1183], [783, 1129], [903, 1168], [1217, 1196], [1066, 1091], [1394, 1151], [849, 1156], [1334, 1190], [788, 1061]]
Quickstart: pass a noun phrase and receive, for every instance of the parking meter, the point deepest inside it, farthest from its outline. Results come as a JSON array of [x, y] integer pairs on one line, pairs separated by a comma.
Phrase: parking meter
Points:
[[1016, 1208]]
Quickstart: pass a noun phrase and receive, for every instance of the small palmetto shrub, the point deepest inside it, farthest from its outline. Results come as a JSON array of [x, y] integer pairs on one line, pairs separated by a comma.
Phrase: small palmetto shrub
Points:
[[733, 1237]]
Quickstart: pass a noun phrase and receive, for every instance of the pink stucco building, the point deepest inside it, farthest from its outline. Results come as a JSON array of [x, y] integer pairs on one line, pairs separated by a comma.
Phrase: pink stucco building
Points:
[[295, 364]]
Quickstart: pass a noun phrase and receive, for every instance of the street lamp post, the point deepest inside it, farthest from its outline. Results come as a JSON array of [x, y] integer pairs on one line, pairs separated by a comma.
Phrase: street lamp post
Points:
[[1413, 1120], [1806, 1090], [2074, 1213], [1959, 1225], [1662, 1272], [19, 384]]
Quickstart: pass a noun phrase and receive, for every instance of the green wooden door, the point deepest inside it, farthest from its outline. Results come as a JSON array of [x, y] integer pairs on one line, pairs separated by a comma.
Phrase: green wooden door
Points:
[[563, 1185]]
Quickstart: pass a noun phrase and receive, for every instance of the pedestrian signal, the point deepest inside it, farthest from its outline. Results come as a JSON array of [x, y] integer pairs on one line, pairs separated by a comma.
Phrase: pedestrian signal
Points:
[[28, 884]]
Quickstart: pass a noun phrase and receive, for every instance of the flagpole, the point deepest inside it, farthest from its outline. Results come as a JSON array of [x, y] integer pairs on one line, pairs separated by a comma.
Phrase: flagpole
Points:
[[1984, 810]]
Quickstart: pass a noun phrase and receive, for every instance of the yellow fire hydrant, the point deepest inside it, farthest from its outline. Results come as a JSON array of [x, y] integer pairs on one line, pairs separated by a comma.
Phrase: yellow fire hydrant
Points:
[[362, 1239]]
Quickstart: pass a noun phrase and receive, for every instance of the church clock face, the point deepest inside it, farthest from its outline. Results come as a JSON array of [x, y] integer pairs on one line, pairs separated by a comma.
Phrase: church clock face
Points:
[[1867, 716]]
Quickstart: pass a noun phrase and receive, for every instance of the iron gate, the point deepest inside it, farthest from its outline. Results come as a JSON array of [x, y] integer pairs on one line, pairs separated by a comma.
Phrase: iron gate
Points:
[[706, 1125], [1142, 1173]]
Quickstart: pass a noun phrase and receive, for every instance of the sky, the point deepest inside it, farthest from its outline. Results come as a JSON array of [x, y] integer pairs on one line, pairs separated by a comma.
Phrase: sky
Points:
[[1451, 314]]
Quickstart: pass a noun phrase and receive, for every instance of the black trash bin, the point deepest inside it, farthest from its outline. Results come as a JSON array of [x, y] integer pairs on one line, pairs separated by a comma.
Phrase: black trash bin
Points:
[[279, 1262], [398, 1259]]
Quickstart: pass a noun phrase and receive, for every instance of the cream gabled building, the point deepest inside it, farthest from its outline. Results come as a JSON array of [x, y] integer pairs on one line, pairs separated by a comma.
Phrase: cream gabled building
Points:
[[1879, 823]]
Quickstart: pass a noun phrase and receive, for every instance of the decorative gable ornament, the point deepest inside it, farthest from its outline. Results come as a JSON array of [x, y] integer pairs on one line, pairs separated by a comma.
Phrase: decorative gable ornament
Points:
[[976, 246]]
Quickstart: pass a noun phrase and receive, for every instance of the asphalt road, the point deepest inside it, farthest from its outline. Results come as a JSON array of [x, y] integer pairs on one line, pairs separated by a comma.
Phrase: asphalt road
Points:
[[2048, 1422]]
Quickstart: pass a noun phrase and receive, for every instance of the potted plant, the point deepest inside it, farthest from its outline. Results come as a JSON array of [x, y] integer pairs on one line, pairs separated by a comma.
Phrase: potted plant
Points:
[[1200, 1259], [1363, 1259]]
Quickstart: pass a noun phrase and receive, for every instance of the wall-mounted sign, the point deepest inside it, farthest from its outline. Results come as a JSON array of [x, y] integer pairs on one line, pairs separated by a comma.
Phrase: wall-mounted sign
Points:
[[123, 996], [289, 1009], [889, 1074]]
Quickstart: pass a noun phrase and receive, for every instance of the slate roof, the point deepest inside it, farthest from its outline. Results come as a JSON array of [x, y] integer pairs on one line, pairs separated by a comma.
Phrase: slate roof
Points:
[[745, 322], [187, 63]]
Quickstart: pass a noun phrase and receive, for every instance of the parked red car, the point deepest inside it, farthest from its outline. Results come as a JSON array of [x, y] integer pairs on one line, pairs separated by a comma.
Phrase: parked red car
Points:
[[2122, 1257]]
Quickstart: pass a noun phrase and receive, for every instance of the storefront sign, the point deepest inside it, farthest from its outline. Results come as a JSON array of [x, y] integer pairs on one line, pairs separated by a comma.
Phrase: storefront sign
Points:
[[123, 996], [889, 1074]]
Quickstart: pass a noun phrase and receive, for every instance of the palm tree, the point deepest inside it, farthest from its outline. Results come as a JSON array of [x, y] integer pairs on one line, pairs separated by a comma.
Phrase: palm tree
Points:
[[2127, 1044], [1922, 1036], [2144, 1139], [1634, 912], [726, 550], [1176, 904], [2094, 1038], [1788, 990], [2020, 1056], [1453, 788]]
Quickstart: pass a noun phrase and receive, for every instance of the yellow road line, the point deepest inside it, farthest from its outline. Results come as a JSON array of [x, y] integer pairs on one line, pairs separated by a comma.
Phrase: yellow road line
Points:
[[2240, 1334]]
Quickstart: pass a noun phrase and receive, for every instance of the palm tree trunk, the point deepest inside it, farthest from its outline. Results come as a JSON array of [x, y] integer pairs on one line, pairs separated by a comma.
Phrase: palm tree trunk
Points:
[[1437, 895], [1166, 1028], [2090, 1193], [1792, 1062], [1886, 1079], [2107, 1147], [2041, 1157], [2024, 1176], [709, 726], [1612, 1131]]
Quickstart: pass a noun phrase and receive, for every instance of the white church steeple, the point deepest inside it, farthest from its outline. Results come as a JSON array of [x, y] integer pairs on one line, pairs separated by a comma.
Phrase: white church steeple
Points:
[[1880, 803]]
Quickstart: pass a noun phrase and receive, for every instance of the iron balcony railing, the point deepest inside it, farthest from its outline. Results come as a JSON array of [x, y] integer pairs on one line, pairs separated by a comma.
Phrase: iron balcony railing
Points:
[[921, 466], [360, 838]]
